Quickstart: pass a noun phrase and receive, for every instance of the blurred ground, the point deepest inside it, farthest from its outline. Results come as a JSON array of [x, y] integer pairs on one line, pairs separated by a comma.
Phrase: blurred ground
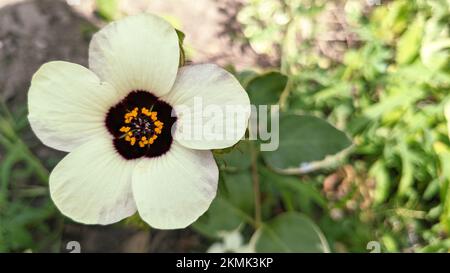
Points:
[[36, 31], [208, 26]]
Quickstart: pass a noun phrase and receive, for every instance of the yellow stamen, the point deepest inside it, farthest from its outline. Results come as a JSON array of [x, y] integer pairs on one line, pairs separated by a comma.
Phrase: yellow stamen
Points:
[[125, 129], [131, 131]]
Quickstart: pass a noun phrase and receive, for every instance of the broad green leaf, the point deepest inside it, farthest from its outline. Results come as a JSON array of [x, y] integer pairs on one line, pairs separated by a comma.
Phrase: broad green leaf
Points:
[[267, 88], [306, 196], [238, 190], [232, 206], [304, 139], [244, 77], [237, 159], [291, 232], [221, 216]]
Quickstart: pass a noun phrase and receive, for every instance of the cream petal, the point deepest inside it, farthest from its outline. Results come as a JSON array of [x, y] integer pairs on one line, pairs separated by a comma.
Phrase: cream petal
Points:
[[136, 53], [67, 105], [92, 184], [212, 107], [173, 190]]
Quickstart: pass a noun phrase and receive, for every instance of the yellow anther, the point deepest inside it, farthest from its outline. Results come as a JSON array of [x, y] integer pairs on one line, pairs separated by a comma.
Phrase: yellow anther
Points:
[[131, 115], [146, 112], [125, 129], [131, 130]]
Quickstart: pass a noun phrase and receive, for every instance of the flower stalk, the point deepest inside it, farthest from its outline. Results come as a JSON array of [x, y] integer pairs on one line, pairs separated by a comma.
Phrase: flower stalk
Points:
[[256, 184]]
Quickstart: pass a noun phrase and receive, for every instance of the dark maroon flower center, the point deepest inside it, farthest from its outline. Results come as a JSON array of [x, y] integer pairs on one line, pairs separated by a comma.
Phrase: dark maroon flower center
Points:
[[141, 125]]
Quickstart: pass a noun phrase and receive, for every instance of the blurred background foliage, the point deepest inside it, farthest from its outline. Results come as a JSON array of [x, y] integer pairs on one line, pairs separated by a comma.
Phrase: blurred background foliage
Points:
[[364, 149]]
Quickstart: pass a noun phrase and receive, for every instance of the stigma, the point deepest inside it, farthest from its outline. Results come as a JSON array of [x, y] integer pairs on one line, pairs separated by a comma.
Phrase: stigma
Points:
[[141, 126]]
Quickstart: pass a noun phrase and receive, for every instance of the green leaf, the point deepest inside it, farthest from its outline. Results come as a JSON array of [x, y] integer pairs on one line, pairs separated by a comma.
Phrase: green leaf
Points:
[[232, 206], [245, 76], [304, 139], [401, 98], [181, 37], [238, 190], [407, 178], [237, 160], [267, 88], [108, 9], [383, 181], [305, 195], [6, 168], [408, 45], [435, 45], [291, 232], [221, 216]]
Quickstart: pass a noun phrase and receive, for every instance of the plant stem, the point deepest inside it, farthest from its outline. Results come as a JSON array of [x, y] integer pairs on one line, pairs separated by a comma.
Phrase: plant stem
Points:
[[285, 95], [256, 188]]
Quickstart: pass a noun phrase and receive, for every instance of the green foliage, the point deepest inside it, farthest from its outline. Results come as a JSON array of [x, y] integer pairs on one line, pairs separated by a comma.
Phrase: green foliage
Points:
[[376, 79], [290, 232], [250, 191], [266, 89], [181, 37], [25, 208], [304, 139], [386, 88]]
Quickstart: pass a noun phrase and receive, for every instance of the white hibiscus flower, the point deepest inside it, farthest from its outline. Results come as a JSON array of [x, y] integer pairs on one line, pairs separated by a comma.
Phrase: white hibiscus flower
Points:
[[127, 152]]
